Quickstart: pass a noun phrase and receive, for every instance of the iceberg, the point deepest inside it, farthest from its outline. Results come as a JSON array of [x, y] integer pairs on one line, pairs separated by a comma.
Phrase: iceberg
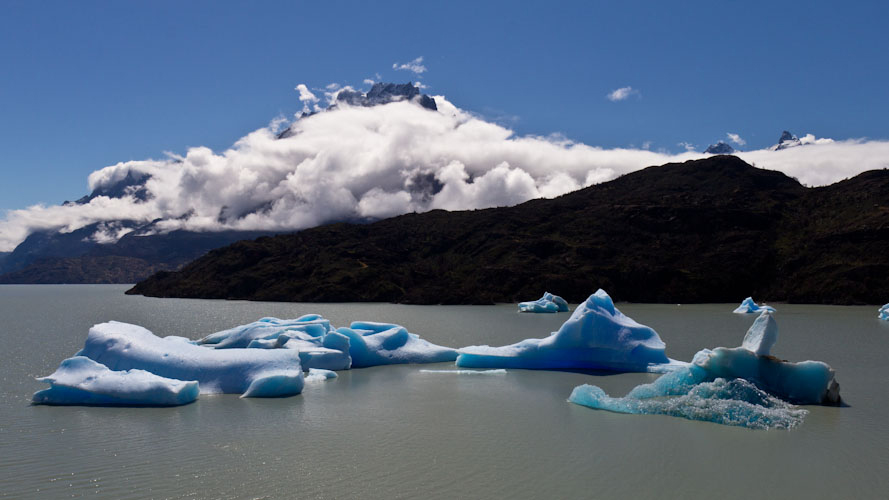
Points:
[[372, 344], [249, 372], [549, 303], [82, 381], [321, 346], [597, 336], [884, 313], [319, 375], [743, 386], [748, 307]]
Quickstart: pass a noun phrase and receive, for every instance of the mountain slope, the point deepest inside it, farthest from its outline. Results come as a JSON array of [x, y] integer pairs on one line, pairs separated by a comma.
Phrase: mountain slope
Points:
[[710, 230]]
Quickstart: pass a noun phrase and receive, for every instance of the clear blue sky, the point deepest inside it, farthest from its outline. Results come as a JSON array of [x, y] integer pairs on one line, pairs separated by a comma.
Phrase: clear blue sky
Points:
[[88, 84]]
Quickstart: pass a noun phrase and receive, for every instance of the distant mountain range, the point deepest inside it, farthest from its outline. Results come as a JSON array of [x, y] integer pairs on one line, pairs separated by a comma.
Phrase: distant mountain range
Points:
[[126, 251], [710, 230], [787, 140]]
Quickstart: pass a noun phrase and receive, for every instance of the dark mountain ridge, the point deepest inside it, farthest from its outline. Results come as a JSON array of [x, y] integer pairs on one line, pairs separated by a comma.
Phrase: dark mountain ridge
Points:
[[710, 230]]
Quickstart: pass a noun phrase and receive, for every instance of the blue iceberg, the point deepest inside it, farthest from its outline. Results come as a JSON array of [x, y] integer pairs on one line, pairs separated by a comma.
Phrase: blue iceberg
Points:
[[321, 346], [249, 372], [549, 303], [743, 386], [372, 344], [884, 313], [82, 381], [597, 336], [749, 307]]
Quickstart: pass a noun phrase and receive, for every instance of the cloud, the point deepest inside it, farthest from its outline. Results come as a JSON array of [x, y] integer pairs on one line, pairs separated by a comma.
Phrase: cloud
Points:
[[736, 139], [689, 147], [415, 66], [622, 94], [369, 81], [306, 97], [354, 163]]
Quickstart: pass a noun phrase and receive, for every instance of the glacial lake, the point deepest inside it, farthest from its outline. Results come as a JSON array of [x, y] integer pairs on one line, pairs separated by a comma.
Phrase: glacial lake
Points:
[[396, 432]]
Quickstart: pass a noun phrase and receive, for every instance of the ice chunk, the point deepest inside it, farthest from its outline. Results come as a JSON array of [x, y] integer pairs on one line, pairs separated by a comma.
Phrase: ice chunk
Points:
[[372, 344], [762, 335], [250, 372], [318, 375], [748, 306], [499, 371], [884, 312], [728, 402], [549, 303], [82, 381], [596, 336], [314, 356], [311, 325], [732, 386]]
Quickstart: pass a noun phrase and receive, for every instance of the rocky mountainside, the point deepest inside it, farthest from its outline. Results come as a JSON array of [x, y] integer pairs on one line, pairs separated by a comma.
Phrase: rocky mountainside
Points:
[[710, 230]]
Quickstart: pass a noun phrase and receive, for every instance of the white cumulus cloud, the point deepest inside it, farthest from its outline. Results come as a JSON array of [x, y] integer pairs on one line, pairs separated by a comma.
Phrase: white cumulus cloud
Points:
[[415, 66], [735, 138], [621, 94]]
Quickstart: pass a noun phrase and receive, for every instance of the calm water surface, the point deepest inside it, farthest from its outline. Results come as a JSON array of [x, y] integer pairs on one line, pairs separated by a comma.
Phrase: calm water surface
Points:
[[394, 432]]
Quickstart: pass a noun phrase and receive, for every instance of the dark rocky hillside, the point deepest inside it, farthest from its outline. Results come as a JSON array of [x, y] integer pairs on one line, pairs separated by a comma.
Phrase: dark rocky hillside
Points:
[[711, 230]]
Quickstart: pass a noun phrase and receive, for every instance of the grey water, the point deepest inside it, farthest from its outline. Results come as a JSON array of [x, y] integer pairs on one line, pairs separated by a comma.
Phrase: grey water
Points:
[[397, 432]]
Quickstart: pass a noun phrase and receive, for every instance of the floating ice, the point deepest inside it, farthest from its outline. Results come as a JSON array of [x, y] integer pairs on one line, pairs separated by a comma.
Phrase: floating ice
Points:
[[762, 335], [319, 375], [596, 336], [748, 306], [372, 344], [884, 312], [311, 325], [320, 346], [499, 371], [732, 386], [549, 303], [249, 372], [82, 381]]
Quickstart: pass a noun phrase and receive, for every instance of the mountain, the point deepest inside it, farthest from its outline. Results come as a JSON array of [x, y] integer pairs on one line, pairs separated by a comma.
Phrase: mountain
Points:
[[787, 140], [720, 148], [126, 251], [710, 230], [55, 257]]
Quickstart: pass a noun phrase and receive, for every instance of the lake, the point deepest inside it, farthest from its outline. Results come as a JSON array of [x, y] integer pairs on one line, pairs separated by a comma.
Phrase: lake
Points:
[[397, 432]]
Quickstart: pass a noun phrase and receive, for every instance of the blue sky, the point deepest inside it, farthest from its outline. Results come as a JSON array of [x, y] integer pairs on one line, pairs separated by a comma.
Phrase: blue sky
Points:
[[88, 84]]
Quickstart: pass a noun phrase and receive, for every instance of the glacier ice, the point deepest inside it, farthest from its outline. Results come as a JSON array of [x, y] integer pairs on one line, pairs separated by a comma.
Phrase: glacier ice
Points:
[[321, 346], [499, 371], [748, 306], [549, 303], [249, 372], [372, 344], [596, 336], [884, 312], [732, 386], [319, 375], [762, 335], [82, 381]]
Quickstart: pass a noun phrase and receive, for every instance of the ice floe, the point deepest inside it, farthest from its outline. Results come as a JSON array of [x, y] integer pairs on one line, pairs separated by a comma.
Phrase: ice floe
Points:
[[749, 307], [82, 381], [549, 303], [319, 375], [372, 344], [732, 386], [499, 371], [597, 336], [884, 312], [249, 372]]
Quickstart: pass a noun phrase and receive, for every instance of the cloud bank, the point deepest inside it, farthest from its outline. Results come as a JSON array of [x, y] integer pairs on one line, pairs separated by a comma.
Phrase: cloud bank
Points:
[[360, 163]]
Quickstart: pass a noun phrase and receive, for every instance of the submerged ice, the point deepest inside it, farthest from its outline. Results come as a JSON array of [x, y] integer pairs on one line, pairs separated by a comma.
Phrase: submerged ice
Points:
[[549, 303], [748, 307], [743, 386], [82, 381], [596, 336]]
